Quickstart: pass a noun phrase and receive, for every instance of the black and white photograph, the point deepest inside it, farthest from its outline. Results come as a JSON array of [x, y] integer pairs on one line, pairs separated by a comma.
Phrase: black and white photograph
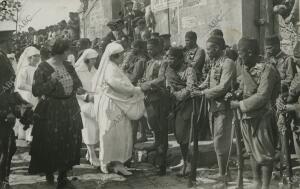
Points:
[[149, 94]]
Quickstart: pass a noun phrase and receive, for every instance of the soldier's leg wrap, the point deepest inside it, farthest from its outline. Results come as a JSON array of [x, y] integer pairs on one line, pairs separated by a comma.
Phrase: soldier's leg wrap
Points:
[[257, 173], [222, 138], [266, 175]]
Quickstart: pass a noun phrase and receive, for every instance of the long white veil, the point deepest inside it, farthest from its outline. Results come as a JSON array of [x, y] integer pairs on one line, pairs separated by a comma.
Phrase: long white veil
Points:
[[24, 62], [87, 54], [111, 49], [133, 107]]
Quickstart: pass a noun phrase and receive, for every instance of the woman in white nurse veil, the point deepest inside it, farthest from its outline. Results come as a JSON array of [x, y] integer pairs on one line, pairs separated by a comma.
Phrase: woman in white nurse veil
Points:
[[26, 67], [116, 102], [90, 133]]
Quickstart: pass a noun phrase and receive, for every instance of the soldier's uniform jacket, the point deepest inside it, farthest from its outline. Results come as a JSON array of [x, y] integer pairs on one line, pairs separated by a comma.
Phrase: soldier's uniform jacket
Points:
[[181, 83], [219, 82], [286, 67], [196, 58], [155, 78], [294, 97], [260, 86], [7, 77], [134, 66]]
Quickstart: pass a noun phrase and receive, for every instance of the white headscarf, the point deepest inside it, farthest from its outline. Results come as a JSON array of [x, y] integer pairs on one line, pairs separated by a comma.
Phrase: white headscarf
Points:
[[23, 61], [111, 49], [87, 54], [132, 106]]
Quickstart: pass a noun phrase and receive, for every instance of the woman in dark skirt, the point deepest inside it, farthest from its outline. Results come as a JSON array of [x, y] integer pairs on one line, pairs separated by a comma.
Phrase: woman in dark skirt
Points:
[[57, 126]]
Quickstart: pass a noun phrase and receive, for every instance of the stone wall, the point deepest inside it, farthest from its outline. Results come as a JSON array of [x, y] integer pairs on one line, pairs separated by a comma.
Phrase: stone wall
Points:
[[201, 16], [235, 17], [98, 14]]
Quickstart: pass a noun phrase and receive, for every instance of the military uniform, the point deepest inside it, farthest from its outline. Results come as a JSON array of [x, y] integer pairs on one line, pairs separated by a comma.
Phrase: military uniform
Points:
[[260, 86], [285, 66], [196, 58], [7, 120], [186, 78], [134, 67], [219, 82], [286, 69], [294, 98], [156, 101]]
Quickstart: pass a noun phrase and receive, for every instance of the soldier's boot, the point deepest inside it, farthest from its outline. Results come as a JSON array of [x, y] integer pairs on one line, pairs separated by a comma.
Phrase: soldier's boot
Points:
[[266, 176], [257, 174]]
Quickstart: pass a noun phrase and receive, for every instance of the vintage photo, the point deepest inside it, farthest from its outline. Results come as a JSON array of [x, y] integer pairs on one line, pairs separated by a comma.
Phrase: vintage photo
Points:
[[149, 94]]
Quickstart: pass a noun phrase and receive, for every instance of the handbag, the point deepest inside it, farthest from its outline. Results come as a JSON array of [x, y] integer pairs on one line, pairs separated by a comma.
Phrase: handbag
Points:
[[136, 111]]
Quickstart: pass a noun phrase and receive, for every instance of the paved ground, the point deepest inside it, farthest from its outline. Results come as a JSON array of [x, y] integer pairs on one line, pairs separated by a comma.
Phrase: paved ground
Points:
[[87, 177]]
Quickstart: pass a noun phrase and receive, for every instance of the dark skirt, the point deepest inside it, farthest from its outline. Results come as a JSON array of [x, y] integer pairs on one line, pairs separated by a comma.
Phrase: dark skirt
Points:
[[56, 135]]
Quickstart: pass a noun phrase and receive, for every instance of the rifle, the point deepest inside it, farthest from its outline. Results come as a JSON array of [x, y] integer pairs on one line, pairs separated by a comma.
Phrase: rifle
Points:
[[288, 172], [194, 132], [237, 129], [239, 150], [285, 130]]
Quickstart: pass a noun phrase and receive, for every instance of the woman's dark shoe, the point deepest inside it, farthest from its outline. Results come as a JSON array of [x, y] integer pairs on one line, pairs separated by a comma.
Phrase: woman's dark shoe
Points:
[[65, 184], [50, 179], [162, 171]]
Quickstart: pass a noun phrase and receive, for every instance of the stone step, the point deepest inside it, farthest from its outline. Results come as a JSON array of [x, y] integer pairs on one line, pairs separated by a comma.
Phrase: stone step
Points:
[[206, 156]]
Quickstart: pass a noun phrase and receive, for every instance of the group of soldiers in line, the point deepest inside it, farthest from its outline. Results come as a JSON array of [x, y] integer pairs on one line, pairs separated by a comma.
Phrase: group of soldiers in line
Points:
[[238, 84], [260, 92]]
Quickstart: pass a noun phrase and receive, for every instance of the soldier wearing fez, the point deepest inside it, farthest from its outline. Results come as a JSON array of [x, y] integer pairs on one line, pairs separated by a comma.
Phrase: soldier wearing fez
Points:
[[217, 84], [259, 87], [10, 104], [156, 100], [283, 62], [286, 68], [293, 101], [181, 79], [194, 55]]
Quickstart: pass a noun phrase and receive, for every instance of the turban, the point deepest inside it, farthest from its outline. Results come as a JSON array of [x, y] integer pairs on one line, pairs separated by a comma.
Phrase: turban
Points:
[[165, 36], [297, 50], [247, 43], [217, 32], [155, 34], [191, 35], [141, 21], [140, 44], [272, 40], [154, 42], [114, 23], [176, 52], [217, 40], [128, 3]]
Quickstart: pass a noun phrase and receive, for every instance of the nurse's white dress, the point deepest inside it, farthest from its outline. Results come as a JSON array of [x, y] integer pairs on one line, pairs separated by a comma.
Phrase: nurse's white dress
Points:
[[90, 131]]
